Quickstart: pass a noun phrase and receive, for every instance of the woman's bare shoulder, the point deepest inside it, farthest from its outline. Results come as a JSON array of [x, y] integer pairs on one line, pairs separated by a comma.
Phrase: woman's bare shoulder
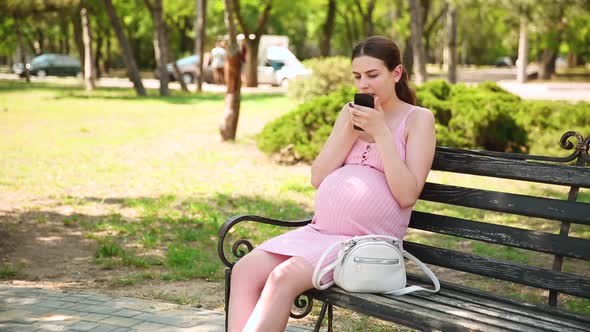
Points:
[[420, 117]]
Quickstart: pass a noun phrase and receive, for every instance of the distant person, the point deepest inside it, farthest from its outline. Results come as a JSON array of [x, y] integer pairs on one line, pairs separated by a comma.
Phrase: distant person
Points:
[[218, 61]]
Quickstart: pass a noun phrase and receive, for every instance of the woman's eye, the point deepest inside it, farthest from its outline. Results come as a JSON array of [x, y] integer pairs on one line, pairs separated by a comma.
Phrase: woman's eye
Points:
[[373, 76]]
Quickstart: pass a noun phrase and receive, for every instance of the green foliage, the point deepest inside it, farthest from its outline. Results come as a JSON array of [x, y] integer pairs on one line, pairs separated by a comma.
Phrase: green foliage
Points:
[[474, 117], [108, 249], [328, 75], [7, 272], [300, 134], [483, 117]]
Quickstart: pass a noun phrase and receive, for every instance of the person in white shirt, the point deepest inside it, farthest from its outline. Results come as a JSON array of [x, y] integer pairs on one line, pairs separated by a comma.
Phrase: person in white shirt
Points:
[[218, 61]]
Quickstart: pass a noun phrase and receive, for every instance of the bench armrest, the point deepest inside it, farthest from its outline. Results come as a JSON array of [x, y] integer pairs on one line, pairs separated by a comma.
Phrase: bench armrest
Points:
[[236, 251]]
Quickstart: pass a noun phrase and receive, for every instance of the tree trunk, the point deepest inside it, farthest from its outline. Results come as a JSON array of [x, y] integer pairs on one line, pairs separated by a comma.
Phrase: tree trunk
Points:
[[98, 53], [21, 47], [160, 44], [328, 29], [229, 125], [523, 52], [40, 44], [65, 32], [252, 44], [172, 59], [126, 50], [89, 74], [77, 23], [452, 43], [200, 23], [417, 46], [408, 58], [252, 61], [366, 17], [107, 60], [547, 66]]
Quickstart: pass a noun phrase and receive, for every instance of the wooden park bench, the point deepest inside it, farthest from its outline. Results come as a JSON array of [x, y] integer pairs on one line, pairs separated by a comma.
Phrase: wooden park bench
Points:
[[458, 307]]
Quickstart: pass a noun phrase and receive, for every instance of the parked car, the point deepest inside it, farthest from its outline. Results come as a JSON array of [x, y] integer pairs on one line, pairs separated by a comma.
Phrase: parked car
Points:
[[188, 69], [50, 64]]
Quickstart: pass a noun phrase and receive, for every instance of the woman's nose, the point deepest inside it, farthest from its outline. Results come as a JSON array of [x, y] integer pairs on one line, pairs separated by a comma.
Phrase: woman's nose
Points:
[[363, 83]]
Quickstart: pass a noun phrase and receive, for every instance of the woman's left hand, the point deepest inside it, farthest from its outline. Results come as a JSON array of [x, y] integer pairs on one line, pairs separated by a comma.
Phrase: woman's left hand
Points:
[[371, 120]]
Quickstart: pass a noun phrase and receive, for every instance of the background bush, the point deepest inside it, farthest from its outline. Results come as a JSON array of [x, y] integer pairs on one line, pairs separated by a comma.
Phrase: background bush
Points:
[[479, 117], [299, 135], [328, 75], [474, 117]]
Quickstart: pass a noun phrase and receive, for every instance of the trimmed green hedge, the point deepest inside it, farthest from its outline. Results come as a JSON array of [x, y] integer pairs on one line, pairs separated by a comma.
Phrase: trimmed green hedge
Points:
[[479, 117], [300, 134]]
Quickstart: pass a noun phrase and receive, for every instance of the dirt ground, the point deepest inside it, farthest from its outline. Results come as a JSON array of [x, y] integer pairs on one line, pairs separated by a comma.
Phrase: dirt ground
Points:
[[48, 254]]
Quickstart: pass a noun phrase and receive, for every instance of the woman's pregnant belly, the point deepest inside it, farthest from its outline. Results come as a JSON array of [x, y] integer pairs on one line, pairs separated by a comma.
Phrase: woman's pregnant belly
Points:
[[353, 199]]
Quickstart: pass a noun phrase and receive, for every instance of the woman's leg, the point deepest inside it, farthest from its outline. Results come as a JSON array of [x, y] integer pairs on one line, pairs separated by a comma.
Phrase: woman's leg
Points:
[[284, 284], [247, 281]]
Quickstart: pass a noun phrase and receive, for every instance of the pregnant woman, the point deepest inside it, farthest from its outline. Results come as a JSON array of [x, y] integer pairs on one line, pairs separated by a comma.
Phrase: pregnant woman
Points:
[[367, 182]]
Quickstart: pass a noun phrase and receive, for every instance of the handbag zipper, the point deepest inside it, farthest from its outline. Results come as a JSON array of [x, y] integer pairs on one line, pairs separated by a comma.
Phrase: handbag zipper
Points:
[[381, 261]]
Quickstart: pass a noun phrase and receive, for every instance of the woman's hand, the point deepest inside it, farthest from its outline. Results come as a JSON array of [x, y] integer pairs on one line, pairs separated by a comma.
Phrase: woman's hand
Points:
[[370, 120]]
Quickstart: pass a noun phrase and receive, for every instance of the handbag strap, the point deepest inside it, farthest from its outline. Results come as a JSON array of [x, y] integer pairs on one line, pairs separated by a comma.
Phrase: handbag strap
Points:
[[414, 288], [319, 273]]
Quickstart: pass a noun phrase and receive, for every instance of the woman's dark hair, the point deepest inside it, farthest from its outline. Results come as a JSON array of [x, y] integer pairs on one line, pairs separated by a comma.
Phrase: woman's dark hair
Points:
[[387, 51]]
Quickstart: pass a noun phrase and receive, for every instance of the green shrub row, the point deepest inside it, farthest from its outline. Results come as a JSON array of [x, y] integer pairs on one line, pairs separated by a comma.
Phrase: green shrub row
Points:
[[474, 117]]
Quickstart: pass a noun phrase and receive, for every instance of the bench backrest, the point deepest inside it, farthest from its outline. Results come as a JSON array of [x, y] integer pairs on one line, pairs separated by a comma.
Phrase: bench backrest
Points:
[[517, 167]]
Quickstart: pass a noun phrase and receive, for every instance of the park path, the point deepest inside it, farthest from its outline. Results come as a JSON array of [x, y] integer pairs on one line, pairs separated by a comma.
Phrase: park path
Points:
[[28, 309]]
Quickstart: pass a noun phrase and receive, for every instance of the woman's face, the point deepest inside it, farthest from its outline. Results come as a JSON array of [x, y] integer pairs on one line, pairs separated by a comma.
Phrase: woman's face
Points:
[[372, 76]]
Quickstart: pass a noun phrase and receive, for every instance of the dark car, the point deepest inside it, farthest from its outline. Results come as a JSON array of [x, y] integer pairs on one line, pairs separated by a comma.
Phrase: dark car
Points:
[[187, 67], [504, 62], [50, 64]]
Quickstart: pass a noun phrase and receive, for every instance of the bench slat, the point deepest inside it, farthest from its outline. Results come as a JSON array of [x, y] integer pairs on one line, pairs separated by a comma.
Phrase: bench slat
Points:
[[504, 235], [555, 209], [525, 275], [511, 169], [444, 311], [540, 312], [485, 312], [418, 317]]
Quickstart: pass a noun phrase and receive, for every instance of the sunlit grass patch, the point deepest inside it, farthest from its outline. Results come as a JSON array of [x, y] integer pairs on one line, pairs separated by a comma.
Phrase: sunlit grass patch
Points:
[[133, 279], [7, 272]]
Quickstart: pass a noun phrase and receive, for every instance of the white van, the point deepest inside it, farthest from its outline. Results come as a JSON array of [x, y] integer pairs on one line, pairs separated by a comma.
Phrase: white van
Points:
[[278, 66]]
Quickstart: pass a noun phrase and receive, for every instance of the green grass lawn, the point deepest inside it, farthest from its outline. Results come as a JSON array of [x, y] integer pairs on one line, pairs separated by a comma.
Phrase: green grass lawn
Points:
[[149, 180]]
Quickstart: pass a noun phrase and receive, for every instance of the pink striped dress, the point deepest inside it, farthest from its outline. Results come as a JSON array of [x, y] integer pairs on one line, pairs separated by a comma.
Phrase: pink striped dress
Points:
[[353, 200]]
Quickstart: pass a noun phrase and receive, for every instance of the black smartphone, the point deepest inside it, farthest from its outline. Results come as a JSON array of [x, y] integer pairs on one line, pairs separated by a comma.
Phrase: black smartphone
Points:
[[363, 99]]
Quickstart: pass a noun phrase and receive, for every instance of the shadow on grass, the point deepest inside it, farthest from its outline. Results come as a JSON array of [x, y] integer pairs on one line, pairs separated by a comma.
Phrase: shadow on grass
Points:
[[159, 237], [64, 91]]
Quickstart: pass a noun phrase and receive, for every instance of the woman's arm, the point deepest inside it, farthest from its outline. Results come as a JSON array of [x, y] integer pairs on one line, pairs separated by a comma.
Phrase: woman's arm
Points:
[[406, 180], [335, 149]]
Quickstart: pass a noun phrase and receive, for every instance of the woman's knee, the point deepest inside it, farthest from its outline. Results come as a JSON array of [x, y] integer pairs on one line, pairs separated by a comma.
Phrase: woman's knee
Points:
[[292, 277], [255, 267]]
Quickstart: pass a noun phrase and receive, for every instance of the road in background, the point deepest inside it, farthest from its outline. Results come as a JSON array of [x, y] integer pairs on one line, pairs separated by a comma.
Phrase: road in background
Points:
[[505, 77]]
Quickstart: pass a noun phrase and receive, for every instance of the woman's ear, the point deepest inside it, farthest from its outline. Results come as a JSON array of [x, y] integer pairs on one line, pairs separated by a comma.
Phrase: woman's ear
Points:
[[397, 73]]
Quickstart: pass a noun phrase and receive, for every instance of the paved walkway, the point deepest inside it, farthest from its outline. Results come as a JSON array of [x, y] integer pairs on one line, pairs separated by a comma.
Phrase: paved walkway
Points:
[[27, 309]]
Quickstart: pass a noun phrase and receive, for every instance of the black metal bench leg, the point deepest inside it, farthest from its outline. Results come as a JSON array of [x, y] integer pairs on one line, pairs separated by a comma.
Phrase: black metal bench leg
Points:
[[318, 323], [227, 287], [330, 316]]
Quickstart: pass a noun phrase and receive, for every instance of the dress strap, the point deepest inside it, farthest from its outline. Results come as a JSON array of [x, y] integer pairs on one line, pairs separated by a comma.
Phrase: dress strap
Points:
[[402, 124]]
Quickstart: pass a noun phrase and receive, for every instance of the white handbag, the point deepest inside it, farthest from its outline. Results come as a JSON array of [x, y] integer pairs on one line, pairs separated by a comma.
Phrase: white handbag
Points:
[[370, 264]]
